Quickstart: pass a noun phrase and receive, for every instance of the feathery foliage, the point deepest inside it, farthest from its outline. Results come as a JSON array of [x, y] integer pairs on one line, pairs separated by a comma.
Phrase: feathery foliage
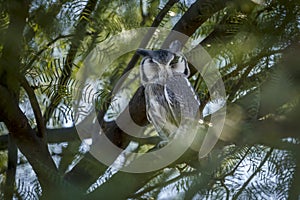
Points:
[[255, 45]]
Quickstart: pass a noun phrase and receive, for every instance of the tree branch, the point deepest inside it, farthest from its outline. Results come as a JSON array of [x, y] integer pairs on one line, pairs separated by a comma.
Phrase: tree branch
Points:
[[35, 150], [13, 41], [57, 135], [194, 17], [11, 169], [36, 108], [125, 189]]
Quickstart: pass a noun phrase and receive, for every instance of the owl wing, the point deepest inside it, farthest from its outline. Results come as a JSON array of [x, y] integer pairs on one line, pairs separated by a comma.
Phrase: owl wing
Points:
[[173, 101], [182, 92], [158, 111]]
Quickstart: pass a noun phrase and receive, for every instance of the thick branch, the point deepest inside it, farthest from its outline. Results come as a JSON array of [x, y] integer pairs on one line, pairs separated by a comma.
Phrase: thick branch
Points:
[[125, 189], [117, 136], [268, 132], [11, 170], [57, 135], [194, 17], [10, 59], [35, 150]]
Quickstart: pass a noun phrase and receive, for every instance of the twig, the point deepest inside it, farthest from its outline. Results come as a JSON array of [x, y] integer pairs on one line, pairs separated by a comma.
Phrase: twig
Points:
[[226, 189], [237, 165], [45, 48], [251, 62], [253, 175], [240, 82]]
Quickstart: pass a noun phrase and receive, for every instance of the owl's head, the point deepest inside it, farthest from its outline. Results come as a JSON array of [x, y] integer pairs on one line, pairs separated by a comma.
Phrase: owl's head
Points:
[[158, 65]]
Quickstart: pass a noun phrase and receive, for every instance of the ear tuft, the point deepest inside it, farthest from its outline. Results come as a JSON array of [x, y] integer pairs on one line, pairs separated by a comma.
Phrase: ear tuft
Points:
[[143, 52], [175, 46]]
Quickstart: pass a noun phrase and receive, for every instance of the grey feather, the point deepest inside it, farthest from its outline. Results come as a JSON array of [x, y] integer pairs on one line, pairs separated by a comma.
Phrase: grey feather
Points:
[[170, 98]]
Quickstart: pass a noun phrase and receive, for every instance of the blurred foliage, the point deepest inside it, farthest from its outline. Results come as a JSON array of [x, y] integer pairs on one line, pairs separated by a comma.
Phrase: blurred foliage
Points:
[[251, 43]]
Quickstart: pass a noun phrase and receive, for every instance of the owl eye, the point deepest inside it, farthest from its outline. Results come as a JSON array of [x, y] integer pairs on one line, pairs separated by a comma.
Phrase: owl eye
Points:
[[179, 65], [175, 61]]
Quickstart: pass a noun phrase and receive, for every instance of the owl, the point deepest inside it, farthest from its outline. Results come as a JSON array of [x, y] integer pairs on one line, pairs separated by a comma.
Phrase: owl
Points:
[[170, 98]]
